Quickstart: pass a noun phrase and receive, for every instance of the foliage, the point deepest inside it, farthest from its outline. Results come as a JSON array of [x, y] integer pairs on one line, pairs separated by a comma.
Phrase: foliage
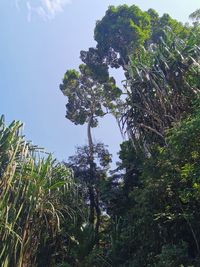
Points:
[[87, 97], [195, 15], [120, 30], [34, 201], [158, 24], [163, 83], [80, 162], [173, 255]]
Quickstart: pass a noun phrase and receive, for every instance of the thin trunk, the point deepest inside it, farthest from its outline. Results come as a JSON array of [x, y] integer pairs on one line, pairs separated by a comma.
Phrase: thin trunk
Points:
[[90, 141], [93, 192], [92, 173]]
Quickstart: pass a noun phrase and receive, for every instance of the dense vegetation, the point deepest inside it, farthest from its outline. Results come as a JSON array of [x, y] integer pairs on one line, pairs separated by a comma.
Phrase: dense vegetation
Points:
[[146, 212]]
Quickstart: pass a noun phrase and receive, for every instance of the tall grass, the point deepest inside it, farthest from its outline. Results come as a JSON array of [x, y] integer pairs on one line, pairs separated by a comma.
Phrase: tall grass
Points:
[[34, 194]]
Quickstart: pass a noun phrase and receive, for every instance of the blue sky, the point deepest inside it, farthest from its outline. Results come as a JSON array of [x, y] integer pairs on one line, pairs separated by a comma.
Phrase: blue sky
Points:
[[40, 40]]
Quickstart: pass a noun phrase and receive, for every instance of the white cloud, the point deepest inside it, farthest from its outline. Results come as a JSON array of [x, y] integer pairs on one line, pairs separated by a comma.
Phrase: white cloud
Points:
[[46, 9], [51, 7]]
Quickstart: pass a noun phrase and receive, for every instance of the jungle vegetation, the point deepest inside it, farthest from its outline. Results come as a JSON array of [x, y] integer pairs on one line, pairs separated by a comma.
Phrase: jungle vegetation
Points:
[[145, 212]]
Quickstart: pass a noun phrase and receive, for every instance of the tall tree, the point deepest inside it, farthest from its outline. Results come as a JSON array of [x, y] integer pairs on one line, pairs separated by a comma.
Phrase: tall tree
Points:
[[87, 101]]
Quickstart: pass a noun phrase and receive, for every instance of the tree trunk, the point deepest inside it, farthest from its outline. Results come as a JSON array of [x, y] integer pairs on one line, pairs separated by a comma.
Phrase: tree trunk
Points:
[[93, 191], [91, 162]]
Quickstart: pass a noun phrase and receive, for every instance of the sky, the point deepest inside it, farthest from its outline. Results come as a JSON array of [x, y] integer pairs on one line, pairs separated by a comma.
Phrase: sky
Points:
[[40, 40]]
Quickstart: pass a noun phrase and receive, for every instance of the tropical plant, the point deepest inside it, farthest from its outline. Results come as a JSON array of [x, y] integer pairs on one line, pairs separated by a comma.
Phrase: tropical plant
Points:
[[36, 198], [163, 83]]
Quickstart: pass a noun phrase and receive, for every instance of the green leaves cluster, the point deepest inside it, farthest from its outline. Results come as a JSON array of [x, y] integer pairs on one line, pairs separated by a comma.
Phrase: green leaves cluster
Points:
[[87, 97], [122, 29]]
